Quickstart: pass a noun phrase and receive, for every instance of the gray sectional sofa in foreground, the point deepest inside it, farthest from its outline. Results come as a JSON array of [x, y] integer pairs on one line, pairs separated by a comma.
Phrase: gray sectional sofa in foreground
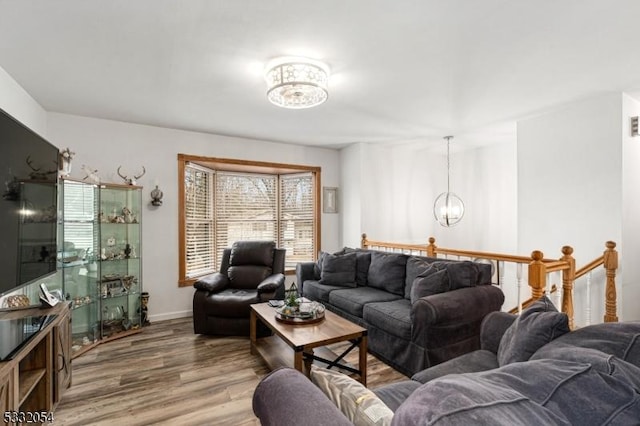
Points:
[[529, 371], [418, 311]]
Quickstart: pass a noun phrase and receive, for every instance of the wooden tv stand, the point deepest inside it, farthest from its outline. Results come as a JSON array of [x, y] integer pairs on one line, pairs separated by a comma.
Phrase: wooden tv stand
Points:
[[31, 384]]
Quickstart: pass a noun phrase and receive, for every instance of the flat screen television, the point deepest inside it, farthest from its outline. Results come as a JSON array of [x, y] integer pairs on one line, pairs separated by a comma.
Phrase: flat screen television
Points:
[[28, 207]]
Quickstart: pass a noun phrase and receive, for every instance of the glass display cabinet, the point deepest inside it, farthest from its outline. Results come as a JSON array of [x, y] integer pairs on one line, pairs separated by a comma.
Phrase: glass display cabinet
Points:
[[78, 244], [99, 256], [120, 279]]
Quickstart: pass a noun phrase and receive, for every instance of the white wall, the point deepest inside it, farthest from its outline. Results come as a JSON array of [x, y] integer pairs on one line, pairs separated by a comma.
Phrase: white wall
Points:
[[350, 209], [17, 102], [570, 183], [629, 288], [105, 145]]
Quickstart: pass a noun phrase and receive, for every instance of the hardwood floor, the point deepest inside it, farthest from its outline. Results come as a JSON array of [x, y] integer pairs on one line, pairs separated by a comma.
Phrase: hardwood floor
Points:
[[168, 375]]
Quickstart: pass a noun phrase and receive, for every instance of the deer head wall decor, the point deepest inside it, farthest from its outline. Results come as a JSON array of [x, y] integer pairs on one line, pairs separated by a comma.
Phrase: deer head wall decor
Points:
[[38, 174], [131, 180], [65, 161]]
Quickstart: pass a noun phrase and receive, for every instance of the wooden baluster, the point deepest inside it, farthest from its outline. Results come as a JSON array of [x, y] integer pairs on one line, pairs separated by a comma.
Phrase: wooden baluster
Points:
[[588, 310], [363, 241], [519, 284], [431, 248], [500, 264], [557, 277], [537, 275], [568, 278], [611, 264]]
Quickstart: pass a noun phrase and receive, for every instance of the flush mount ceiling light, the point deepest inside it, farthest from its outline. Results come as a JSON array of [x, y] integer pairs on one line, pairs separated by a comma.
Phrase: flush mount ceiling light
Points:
[[448, 207], [296, 82]]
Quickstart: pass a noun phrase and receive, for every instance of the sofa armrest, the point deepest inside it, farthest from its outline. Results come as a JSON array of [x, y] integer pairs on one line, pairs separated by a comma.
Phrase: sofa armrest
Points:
[[271, 284], [492, 328], [452, 309], [304, 271], [281, 391], [213, 283]]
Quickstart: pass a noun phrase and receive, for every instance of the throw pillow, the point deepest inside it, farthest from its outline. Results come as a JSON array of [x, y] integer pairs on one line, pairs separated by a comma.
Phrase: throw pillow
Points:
[[363, 260], [387, 272], [317, 268], [536, 326], [461, 273], [359, 404], [416, 266], [430, 282], [339, 270]]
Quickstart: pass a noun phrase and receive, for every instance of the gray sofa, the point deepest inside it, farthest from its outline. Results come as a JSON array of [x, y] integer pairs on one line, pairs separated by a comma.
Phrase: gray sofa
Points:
[[590, 376], [418, 311]]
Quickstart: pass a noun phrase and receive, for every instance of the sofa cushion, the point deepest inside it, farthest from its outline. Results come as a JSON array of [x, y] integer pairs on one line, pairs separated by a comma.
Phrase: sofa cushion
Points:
[[359, 404], [339, 270], [394, 394], [318, 292], [317, 268], [431, 282], [536, 392], [471, 362], [536, 326], [393, 317], [416, 266], [620, 339], [387, 272], [352, 300]]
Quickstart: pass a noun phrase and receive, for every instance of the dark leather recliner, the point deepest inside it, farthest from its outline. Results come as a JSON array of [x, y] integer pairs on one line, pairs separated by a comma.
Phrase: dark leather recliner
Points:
[[250, 272]]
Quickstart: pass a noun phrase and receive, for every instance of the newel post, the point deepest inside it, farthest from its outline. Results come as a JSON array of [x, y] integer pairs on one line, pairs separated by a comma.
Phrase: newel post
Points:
[[610, 265], [363, 241], [431, 248], [537, 275], [568, 279]]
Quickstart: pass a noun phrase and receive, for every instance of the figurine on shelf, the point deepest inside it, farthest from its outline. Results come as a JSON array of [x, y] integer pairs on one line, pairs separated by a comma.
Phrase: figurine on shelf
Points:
[[127, 215], [144, 308], [127, 251]]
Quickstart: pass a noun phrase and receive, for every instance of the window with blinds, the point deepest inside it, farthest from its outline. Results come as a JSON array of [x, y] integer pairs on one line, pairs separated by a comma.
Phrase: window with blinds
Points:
[[199, 227], [222, 207], [245, 208], [296, 226], [81, 203]]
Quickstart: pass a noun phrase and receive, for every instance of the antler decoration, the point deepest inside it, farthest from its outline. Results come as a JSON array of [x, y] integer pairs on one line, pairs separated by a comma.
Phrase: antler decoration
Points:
[[131, 180], [37, 174]]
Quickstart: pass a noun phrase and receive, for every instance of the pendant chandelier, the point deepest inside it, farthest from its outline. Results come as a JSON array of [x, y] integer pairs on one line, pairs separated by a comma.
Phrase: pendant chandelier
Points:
[[296, 82], [448, 208]]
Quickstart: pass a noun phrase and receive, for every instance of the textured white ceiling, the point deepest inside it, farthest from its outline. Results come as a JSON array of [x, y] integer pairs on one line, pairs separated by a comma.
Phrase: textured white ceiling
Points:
[[402, 70]]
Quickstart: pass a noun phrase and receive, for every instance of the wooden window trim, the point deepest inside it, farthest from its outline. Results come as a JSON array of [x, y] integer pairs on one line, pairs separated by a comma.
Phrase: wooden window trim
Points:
[[229, 164]]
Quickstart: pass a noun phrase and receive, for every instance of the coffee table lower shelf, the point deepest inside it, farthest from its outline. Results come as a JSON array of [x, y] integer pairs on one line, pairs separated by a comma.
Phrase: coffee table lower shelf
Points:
[[276, 353]]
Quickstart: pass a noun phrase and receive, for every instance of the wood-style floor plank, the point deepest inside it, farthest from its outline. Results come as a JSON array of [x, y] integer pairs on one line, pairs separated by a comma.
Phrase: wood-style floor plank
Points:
[[167, 375]]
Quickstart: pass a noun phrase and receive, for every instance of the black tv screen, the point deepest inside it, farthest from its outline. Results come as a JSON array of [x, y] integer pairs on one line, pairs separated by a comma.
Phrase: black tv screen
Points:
[[28, 207]]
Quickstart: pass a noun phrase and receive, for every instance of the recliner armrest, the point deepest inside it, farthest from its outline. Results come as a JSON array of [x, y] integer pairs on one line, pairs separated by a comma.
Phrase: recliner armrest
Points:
[[492, 328], [213, 283], [271, 283]]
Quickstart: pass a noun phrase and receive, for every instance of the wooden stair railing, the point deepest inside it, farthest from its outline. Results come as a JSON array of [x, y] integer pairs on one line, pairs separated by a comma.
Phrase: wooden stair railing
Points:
[[539, 268]]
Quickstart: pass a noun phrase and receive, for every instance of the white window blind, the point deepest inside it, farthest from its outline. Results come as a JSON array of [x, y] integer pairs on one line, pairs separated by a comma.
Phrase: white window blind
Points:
[[297, 225], [245, 208], [80, 205], [199, 229]]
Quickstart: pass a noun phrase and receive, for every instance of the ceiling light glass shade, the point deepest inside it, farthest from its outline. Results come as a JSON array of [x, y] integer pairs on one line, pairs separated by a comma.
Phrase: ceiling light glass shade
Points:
[[448, 209], [297, 82]]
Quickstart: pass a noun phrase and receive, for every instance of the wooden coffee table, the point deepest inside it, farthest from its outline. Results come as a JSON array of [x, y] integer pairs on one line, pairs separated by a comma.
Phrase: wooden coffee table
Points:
[[300, 345]]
